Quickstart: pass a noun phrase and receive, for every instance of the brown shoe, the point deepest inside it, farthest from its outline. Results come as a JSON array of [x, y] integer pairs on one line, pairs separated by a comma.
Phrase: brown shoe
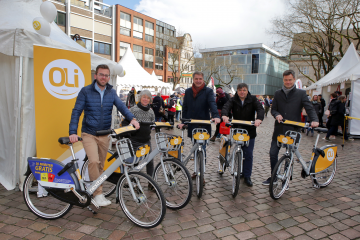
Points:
[[213, 139], [193, 176]]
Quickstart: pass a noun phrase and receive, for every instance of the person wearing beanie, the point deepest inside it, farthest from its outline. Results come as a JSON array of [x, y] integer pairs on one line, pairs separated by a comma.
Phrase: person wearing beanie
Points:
[[143, 113]]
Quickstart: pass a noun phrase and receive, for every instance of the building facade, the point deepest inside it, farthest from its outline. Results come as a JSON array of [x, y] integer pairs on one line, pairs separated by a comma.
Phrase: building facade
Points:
[[255, 64], [93, 20], [150, 40], [187, 64]]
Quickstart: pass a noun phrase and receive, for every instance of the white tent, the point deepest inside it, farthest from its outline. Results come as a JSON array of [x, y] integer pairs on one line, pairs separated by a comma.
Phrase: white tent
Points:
[[136, 76], [347, 71], [17, 116]]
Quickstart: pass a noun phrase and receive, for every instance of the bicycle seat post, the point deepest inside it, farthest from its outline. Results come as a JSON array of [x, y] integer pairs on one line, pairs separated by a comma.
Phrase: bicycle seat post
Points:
[[72, 151]]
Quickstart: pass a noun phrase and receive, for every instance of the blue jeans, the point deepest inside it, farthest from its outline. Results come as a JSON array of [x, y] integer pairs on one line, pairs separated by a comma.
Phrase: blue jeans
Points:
[[274, 154], [158, 119], [248, 155], [178, 113]]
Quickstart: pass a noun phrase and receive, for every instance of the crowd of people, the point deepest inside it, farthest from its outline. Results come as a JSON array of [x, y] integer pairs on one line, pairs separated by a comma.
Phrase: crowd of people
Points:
[[97, 101]]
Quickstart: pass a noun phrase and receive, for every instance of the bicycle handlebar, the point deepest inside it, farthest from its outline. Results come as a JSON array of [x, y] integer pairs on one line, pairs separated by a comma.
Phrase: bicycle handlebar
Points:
[[104, 132], [240, 122]]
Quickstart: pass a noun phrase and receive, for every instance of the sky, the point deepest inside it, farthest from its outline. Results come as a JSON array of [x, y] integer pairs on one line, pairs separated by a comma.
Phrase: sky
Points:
[[214, 23]]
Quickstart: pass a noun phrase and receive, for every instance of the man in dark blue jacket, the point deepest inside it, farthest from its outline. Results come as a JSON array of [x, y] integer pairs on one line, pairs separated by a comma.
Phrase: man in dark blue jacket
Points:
[[97, 100], [198, 102]]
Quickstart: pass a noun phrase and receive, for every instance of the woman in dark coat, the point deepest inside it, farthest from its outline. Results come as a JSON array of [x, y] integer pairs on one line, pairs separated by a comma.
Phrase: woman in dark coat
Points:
[[157, 103], [336, 117], [220, 102], [317, 107], [171, 108]]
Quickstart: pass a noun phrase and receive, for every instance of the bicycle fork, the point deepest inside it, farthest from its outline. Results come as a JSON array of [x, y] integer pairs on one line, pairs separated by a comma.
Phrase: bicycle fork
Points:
[[200, 149], [137, 199]]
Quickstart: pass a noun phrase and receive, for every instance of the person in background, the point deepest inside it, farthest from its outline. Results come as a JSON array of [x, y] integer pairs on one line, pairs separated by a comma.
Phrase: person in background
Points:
[[171, 106], [143, 113], [332, 103], [178, 107], [261, 100], [267, 105], [220, 102], [231, 95], [336, 117], [156, 105], [321, 115], [317, 107]]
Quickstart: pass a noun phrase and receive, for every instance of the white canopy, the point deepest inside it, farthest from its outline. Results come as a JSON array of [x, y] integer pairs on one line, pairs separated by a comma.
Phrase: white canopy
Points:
[[136, 75], [342, 71]]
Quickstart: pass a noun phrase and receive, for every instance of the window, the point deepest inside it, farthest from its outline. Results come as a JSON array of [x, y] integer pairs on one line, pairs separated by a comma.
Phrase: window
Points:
[[159, 41], [138, 28], [125, 24], [102, 48], [149, 58], [149, 31], [304, 70], [60, 19], [123, 47], [255, 63], [159, 29], [138, 52], [88, 43]]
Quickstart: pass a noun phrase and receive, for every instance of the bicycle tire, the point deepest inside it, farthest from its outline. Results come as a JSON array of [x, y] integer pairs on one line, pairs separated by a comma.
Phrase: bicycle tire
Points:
[[236, 174], [108, 187], [277, 187], [46, 207], [139, 212], [199, 174], [178, 194], [323, 174]]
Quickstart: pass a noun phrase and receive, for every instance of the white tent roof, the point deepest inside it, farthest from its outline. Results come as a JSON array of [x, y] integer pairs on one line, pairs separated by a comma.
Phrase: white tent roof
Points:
[[17, 34], [342, 71], [136, 75]]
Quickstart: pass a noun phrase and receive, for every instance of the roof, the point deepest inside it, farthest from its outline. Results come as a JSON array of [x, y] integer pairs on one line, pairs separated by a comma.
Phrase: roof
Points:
[[239, 47]]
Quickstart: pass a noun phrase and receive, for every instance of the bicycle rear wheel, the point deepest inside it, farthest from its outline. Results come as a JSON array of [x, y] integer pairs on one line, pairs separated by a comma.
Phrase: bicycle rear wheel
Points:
[[150, 207], [199, 174], [42, 203], [236, 174], [108, 187], [179, 189], [280, 177], [325, 177]]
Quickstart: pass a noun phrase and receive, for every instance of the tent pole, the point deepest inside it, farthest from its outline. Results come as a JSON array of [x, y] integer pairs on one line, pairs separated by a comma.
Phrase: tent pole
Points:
[[18, 131]]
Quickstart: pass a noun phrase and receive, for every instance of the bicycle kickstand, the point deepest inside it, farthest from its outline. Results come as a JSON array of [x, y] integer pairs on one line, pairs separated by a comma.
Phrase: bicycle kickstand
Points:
[[90, 209]]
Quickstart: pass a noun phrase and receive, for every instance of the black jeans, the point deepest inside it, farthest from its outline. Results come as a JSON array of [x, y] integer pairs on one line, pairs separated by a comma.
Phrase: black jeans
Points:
[[274, 154], [150, 165]]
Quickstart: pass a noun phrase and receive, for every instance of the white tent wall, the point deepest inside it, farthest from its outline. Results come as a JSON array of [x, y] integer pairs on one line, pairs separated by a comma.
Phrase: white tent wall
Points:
[[354, 125]]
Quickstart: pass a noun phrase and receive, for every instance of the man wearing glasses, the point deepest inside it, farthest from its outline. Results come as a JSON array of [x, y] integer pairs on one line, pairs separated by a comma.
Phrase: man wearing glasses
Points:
[[97, 101]]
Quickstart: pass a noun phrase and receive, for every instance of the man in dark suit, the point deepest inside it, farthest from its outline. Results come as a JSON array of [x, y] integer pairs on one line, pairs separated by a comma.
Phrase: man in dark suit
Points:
[[287, 104]]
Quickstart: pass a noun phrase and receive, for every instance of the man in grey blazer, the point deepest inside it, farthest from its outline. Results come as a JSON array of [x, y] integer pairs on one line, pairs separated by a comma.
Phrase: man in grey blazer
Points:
[[287, 104]]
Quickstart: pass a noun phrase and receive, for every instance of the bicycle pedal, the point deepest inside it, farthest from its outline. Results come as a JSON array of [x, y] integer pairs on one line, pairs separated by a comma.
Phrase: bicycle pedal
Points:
[[303, 174]]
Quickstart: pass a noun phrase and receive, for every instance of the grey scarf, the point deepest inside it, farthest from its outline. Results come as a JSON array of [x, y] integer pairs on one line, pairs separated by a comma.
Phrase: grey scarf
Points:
[[287, 90]]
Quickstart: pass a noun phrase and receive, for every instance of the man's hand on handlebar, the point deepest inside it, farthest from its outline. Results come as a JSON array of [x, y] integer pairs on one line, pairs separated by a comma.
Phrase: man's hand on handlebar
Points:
[[314, 124], [180, 125], [135, 124], [216, 120], [257, 122], [73, 138], [279, 118], [225, 119]]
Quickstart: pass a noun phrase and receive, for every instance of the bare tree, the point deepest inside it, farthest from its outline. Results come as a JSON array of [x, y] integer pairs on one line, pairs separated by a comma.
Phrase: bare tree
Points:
[[319, 32]]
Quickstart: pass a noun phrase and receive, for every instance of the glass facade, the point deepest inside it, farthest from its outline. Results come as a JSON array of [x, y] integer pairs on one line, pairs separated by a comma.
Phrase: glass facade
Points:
[[261, 70]]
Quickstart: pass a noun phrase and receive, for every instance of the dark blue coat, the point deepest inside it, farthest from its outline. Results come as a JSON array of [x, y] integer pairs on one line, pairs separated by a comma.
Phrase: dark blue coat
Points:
[[97, 116], [199, 107]]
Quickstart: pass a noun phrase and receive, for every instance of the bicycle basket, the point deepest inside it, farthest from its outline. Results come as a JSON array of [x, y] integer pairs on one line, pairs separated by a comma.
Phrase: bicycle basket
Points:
[[240, 136], [167, 142], [126, 152], [200, 134]]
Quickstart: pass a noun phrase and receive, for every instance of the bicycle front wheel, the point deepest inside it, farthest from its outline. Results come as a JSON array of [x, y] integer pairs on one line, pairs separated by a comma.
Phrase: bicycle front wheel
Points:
[[178, 190], [42, 203], [280, 177], [199, 171], [326, 176], [149, 208], [107, 187], [236, 174]]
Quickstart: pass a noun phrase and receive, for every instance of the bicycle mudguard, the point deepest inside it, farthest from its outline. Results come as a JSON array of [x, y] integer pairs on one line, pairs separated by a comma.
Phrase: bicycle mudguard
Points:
[[46, 172], [320, 163], [224, 150]]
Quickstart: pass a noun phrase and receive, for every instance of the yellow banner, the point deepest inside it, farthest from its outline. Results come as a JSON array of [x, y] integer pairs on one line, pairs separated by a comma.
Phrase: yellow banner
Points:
[[59, 76]]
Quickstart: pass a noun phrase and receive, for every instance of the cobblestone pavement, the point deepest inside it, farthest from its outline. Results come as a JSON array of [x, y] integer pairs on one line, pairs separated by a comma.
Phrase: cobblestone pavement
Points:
[[302, 213]]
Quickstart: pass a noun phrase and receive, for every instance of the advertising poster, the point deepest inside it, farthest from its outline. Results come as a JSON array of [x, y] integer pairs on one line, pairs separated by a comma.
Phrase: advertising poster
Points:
[[59, 76]]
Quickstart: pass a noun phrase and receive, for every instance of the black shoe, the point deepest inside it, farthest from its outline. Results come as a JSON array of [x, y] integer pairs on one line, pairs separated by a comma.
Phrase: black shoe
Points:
[[267, 182], [248, 182]]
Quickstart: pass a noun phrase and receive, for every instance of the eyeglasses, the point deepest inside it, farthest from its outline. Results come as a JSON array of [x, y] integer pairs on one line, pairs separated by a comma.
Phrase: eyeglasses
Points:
[[103, 75]]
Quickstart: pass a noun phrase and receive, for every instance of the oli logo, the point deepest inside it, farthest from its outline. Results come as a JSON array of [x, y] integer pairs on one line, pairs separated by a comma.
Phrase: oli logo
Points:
[[284, 140], [63, 79], [330, 154], [143, 151], [176, 141], [241, 137], [36, 25], [201, 136]]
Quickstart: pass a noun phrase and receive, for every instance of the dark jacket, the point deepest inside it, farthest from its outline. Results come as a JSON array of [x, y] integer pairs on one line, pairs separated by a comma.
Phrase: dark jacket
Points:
[[157, 103], [97, 116], [323, 104], [171, 109], [289, 107], [337, 113], [199, 107], [317, 107], [245, 112]]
